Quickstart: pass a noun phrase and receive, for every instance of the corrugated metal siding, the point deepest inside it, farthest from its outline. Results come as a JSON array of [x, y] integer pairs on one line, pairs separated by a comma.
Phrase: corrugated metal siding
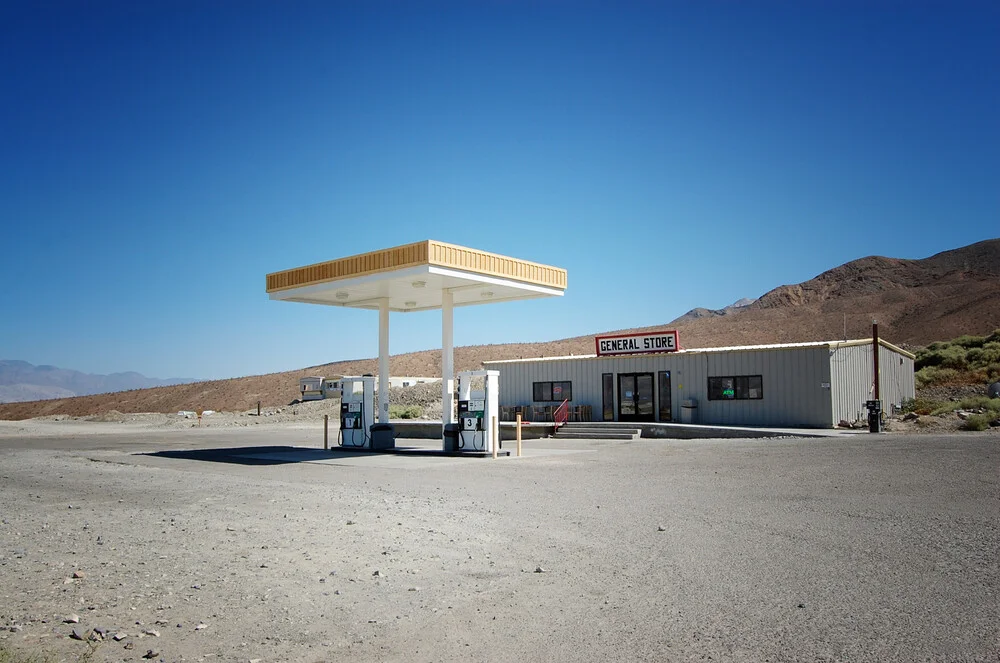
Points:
[[897, 381], [792, 382], [852, 378]]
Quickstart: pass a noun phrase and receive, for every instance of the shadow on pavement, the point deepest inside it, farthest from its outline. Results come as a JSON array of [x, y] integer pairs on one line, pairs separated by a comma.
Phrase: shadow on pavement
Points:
[[270, 455], [281, 455]]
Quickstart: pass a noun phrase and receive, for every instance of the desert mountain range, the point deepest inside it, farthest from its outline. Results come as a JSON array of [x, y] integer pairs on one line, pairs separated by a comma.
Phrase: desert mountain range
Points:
[[21, 381], [915, 302]]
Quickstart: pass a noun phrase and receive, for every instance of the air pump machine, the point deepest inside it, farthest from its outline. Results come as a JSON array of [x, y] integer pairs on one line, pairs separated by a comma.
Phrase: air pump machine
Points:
[[357, 411], [478, 396]]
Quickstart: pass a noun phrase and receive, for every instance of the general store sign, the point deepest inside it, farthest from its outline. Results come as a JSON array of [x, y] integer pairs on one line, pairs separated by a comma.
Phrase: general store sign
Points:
[[637, 344]]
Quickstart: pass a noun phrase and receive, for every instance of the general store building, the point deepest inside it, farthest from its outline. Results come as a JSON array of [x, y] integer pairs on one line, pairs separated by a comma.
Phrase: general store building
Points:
[[631, 378]]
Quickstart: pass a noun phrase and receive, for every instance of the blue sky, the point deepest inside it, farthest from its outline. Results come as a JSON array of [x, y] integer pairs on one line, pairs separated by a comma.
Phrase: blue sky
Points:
[[157, 159]]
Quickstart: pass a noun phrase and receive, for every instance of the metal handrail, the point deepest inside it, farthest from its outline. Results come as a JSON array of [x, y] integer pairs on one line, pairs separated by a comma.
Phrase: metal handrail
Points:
[[561, 414]]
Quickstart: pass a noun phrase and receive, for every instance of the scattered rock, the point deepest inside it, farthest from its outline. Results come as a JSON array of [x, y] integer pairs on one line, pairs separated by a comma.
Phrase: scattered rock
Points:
[[151, 631], [71, 619], [377, 574], [129, 645], [151, 653], [201, 626], [802, 605], [962, 415], [661, 528], [78, 575], [413, 589], [910, 416], [119, 636], [350, 522], [80, 634], [539, 569]]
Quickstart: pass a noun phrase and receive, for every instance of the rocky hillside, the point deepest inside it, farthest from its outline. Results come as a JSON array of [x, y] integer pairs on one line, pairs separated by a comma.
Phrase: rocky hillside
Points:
[[915, 302]]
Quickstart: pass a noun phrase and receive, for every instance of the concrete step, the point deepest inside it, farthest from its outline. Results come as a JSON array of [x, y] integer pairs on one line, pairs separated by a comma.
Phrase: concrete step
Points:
[[599, 429], [571, 435], [583, 431], [601, 426]]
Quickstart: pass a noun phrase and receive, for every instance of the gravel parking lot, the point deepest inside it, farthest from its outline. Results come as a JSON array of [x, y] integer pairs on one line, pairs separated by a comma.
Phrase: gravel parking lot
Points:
[[874, 548]]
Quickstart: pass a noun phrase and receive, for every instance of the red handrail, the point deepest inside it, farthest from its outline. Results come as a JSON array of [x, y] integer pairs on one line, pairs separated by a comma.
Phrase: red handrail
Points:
[[561, 414]]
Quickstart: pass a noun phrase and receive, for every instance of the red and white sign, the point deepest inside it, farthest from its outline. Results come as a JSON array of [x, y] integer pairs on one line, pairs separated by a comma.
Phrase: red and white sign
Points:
[[637, 344]]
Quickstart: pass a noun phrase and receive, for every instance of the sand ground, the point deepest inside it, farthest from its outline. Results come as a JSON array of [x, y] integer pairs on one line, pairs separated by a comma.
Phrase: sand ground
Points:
[[230, 548]]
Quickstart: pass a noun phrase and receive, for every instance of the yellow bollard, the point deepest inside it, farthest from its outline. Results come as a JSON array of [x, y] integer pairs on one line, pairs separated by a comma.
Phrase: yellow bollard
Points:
[[518, 434]]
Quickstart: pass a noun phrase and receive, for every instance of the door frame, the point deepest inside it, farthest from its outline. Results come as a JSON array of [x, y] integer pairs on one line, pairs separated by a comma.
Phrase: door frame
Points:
[[635, 397]]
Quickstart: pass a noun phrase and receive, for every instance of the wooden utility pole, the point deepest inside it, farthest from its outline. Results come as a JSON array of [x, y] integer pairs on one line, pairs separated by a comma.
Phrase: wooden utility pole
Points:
[[875, 357]]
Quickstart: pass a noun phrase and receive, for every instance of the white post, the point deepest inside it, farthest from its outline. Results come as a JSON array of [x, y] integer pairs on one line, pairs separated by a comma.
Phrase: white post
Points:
[[447, 356], [383, 360]]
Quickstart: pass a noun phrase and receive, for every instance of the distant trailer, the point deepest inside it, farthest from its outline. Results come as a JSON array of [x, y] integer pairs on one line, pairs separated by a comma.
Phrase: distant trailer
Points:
[[311, 388]]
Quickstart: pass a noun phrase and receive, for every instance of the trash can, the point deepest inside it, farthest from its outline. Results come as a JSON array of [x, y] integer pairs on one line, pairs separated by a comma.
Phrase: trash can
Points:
[[451, 432], [994, 390], [689, 411], [874, 416], [383, 436]]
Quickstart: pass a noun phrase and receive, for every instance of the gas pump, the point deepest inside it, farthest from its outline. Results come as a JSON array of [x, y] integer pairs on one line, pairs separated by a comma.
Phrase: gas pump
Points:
[[357, 411], [478, 396]]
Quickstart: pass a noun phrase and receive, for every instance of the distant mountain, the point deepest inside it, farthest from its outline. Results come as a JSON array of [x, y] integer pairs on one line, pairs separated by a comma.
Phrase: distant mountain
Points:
[[915, 302], [21, 381], [697, 313]]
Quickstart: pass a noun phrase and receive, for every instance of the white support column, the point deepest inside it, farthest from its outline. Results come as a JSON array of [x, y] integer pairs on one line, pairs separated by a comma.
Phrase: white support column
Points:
[[447, 357], [383, 361]]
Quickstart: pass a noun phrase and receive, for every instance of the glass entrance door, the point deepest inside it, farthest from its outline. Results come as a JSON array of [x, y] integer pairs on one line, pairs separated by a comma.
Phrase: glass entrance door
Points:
[[665, 411], [635, 397]]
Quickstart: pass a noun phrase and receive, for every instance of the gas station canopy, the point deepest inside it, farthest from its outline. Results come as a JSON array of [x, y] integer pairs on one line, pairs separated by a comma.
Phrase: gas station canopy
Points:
[[415, 277]]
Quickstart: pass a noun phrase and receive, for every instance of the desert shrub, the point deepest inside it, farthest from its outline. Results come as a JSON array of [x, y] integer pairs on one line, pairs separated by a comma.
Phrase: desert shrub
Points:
[[920, 406], [405, 411], [952, 356], [993, 372], [990, 405], [976, 422], [11, 656], [994, 337], [983, 356], [969, 341], [944, 408], [932, 375]]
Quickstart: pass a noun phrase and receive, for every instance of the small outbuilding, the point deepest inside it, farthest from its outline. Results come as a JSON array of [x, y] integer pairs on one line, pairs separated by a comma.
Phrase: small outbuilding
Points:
[[645, 378]]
